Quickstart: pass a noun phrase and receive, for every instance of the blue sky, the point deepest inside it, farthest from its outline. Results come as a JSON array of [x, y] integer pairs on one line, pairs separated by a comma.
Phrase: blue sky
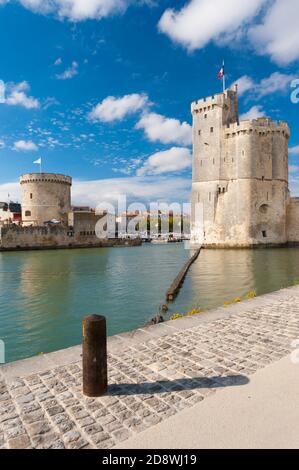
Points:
[[101, 89]]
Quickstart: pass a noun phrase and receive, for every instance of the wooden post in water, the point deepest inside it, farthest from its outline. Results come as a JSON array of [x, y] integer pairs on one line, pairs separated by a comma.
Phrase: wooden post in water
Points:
[[176, 285], [95, 380]]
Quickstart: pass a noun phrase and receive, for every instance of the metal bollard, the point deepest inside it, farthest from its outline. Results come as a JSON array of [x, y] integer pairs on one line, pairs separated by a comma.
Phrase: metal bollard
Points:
[[95, 380]]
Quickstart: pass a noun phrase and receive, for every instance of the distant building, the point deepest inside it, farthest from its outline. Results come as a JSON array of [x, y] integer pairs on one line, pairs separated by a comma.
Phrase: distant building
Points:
[[48, 219], [124, 225], [10, 213]]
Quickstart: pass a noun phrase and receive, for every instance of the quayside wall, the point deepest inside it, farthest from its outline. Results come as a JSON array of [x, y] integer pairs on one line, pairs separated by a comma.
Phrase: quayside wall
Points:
[[54, 237]]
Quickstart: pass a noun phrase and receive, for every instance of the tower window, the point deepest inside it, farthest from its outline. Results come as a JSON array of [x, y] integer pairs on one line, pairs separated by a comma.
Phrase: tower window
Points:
[[212, 129], [206, 116], [263, 178], [199, 132], [27, 213], [264, 209], [31, 195], [264, 233]]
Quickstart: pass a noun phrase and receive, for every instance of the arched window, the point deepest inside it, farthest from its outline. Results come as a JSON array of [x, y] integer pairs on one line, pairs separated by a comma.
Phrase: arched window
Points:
[[27, 213]]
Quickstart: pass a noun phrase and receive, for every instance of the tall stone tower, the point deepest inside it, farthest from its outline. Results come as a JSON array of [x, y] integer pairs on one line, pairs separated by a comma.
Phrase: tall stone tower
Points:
[[240, 176], [45, 196]]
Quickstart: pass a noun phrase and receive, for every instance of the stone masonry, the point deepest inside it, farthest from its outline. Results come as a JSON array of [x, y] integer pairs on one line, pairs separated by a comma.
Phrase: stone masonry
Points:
[[154, 373], [45, 196], [240, 194]]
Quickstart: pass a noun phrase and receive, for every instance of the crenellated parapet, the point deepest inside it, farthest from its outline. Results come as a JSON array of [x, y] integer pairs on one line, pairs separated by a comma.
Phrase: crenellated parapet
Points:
[[260, 126], [46, 178], [210, 103]]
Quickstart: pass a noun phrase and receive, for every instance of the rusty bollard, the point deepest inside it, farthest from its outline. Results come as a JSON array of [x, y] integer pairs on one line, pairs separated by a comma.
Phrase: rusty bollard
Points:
[[95, 380]]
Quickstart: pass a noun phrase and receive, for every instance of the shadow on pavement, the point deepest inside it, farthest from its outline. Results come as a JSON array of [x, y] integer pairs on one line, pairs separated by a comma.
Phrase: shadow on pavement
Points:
[[177, 385]]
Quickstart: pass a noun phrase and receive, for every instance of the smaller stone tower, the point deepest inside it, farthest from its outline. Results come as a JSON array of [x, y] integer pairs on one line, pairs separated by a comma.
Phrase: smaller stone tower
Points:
[[45, 196]]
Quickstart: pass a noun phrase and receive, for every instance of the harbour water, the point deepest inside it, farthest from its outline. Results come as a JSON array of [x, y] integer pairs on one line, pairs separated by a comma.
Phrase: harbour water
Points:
[[45, 294]]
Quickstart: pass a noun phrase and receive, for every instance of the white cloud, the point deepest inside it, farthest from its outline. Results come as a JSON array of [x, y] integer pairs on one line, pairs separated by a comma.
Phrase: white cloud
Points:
[[50, 101], [277, 82], [113, 109], [166, 130], [17, 96], [77, 10], [245, 84], [2, 144], [2, 92], [293, 168], [269, 26], [278, 33], [146, 189], [172, 160], [294, 150], [58, 61], [201, 21], [69, 73], [25, 146], [254, 113], [294, 185], [13, 189], [80, 10]]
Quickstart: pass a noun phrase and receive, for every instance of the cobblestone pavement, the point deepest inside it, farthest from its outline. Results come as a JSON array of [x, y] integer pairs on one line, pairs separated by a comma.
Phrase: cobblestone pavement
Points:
[[149, 380]]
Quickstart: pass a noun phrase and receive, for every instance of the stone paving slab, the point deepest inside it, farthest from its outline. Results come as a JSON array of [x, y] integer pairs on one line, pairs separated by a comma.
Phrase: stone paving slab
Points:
[[154, 373]]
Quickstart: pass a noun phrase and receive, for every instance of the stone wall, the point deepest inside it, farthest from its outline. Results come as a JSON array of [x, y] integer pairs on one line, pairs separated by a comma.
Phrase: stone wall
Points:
[[83, 221], [50, 237], [293, 220]]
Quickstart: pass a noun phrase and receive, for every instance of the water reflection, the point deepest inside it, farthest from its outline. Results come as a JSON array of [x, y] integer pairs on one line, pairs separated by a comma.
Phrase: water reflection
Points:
[[222, 275], [45, 295]]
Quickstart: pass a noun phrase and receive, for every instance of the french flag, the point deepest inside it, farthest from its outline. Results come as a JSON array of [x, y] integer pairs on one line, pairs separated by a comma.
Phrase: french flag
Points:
[[221, 72]]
